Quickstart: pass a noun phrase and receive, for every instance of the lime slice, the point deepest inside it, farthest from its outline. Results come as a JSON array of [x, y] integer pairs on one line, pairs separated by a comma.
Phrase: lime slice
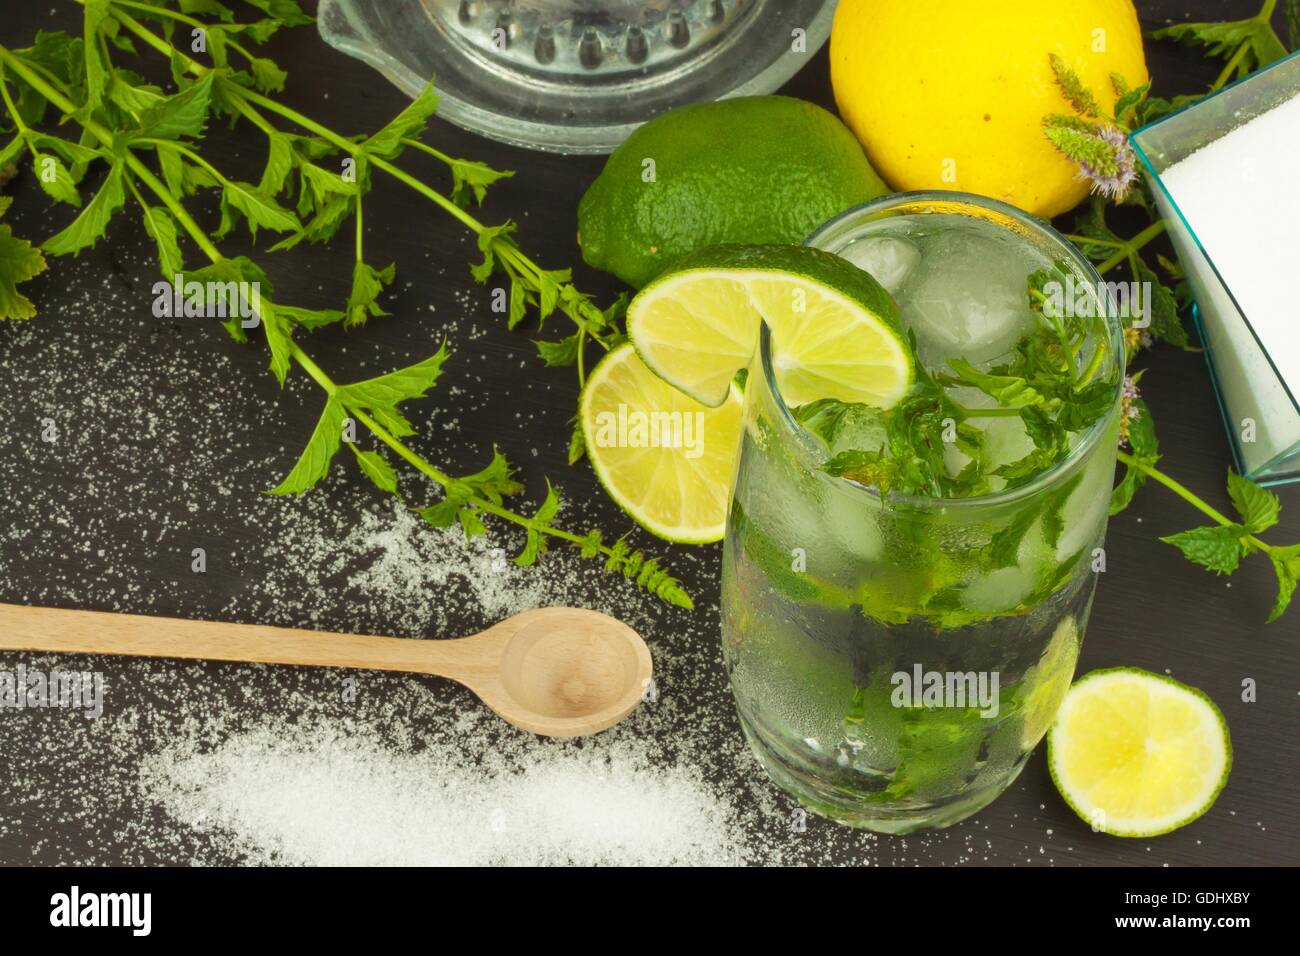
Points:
[[1047, 681], [1137, 754], [836, 332], [662, 456]]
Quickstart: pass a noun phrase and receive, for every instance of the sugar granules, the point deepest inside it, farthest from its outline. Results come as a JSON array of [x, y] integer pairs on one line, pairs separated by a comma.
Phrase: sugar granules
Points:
[[150, 456]]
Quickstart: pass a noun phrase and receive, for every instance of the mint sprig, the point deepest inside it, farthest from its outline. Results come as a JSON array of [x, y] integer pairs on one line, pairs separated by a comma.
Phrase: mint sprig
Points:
[[125, 121]]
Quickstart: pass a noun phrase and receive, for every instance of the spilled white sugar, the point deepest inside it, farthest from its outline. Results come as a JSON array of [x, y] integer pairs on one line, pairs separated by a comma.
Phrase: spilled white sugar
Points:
[[323, 798]]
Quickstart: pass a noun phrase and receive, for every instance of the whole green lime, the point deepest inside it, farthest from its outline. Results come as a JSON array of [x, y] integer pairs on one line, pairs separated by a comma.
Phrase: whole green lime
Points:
[[762, 169]]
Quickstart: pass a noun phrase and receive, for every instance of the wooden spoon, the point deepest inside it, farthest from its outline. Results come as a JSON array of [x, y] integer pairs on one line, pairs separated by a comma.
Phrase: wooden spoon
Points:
[[556, 671]]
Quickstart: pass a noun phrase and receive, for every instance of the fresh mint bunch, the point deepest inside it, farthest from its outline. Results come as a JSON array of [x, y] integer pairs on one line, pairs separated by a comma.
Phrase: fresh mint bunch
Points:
[[149, 144]]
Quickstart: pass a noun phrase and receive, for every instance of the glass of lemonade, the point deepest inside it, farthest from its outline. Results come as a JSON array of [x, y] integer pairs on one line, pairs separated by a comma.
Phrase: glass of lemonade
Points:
[[900, 631]]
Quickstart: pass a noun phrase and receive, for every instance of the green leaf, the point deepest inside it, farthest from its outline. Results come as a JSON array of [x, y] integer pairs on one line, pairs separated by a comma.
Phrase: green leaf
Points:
[[488, 240], [577, 442], [377, 469], [19, 262], [1259, 508], [471, 523], [1010, 391], [494, 482], [1293, 23], [58, 186], [367, 283], [520, 299], [1216, 547], [1286, 565], [279, 163], [267, 77], [408, 124], [310, 319], [405, 384], [279, 339], [160, 226], [535, 544], [1166, 325], [323, 183], [470, 180], [1225, 40], [95, 13], [134, 99], [314, 464], [259, 208], [287, 12], [183, 114], [563, 352], [93, 221]]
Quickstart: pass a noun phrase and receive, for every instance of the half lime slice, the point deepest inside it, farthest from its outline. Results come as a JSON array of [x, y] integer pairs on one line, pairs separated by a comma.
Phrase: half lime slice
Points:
[[663, 457], [836, 332], [1137, 754]]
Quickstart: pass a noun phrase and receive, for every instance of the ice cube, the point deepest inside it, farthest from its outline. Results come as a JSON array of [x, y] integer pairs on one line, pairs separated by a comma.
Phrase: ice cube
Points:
[[888, 259], [967, 299], [999, 591]]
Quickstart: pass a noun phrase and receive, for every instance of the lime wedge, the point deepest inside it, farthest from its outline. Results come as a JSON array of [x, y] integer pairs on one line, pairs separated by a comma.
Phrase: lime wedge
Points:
[[1137, 754], [836, 332], [662, 456], [1047, 681]]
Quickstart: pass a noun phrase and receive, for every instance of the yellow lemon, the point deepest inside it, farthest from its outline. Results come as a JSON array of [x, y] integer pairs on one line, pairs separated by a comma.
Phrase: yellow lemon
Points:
[[951, 94]]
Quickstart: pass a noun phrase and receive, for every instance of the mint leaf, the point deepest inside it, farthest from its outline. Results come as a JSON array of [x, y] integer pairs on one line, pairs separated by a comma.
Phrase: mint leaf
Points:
[[310, 319], [388, 390], [577, 442], [367, 283], [1010, 391], [279, 163], [19, 261], [314, 463], [1216, 547], [535, 544], [259, 209], [61, 187], [408, 124], [1258, 507], [1286, 565], [487, 240], [1142, 439], [183, 114], [377, 469], [563, 352], [1226, 40], [92, 223], [279, 339], [470, 179], [160, 226]]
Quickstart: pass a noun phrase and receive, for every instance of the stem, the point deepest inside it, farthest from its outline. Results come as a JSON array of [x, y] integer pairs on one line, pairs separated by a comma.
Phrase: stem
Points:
[[1131, 246], [987, 412], [1187, 495], [243, 98], [19, 127], [304, 361], [189, 153], [181, 18]]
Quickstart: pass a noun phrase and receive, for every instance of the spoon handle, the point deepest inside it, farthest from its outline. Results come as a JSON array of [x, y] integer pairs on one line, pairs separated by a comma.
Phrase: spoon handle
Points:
[[98, 632]]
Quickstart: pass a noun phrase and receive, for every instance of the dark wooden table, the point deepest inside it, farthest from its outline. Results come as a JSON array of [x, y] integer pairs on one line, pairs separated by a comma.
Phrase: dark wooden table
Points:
[[167, 431]]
